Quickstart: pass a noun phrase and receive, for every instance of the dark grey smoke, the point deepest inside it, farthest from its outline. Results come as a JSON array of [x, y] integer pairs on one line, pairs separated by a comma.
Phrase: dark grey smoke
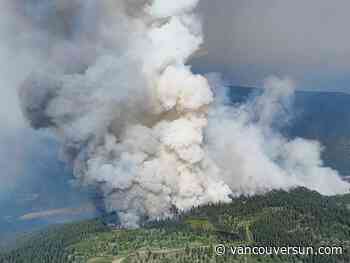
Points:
[[34, 107]]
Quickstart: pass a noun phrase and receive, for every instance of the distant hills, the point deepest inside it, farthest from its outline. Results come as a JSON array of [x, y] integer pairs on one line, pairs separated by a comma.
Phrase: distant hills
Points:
[[322, 116]]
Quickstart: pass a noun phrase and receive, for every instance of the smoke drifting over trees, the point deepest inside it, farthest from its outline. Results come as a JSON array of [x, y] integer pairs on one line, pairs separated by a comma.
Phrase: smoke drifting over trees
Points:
[[112, 81]]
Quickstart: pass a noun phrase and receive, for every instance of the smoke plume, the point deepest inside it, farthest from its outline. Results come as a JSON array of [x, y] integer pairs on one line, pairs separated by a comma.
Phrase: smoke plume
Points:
[[134, 120]]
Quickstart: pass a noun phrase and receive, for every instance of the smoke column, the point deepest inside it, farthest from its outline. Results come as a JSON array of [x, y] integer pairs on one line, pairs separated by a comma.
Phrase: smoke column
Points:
[[133, 119]]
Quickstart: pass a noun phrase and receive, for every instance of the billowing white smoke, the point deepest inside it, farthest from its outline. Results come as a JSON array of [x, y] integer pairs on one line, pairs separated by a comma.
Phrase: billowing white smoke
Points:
[[135, 120], [255, 157]]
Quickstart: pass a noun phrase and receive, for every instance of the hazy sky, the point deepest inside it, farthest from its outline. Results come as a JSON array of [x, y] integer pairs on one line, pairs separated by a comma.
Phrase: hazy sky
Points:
[[306, 40]]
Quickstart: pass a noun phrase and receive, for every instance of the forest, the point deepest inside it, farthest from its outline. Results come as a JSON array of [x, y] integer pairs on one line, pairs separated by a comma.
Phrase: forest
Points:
[[299, 217]]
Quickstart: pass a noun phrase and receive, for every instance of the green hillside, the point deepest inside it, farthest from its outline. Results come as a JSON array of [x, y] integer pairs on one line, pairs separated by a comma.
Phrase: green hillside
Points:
[[296, 218]]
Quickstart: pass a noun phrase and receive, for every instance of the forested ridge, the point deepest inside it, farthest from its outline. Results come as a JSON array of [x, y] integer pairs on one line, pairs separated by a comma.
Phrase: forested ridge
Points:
[[49, 245], [279, 218]]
